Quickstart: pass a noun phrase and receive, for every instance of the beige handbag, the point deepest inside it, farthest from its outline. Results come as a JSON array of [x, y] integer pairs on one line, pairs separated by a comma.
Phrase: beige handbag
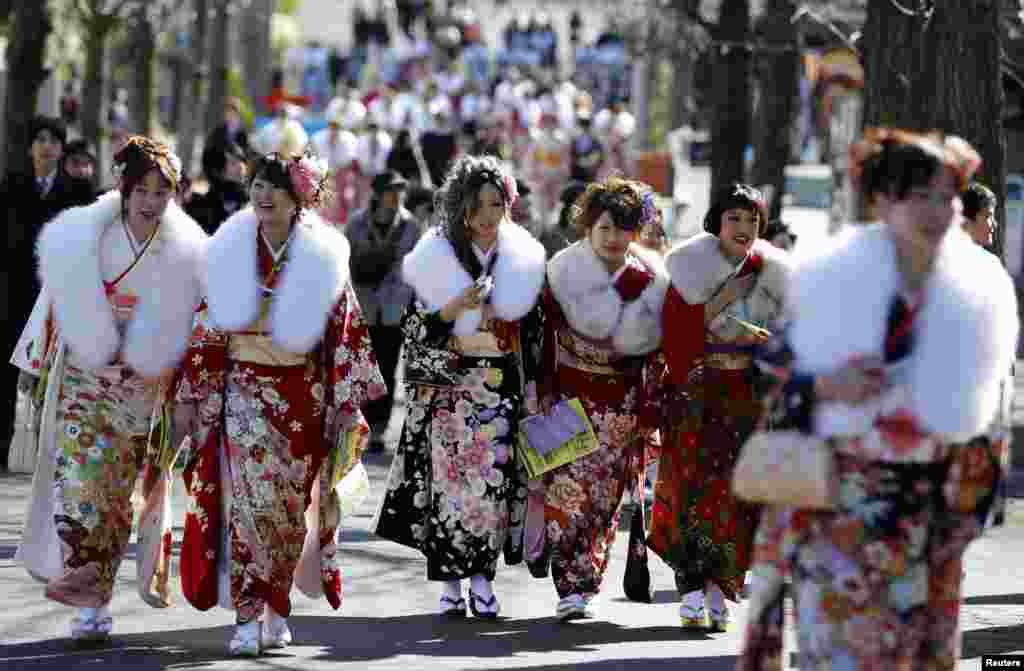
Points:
[[787, 468]]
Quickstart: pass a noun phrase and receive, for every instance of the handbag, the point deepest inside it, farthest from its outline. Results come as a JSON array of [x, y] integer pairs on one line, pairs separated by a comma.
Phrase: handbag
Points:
[[636, 581], [788, 468], [558, 437]]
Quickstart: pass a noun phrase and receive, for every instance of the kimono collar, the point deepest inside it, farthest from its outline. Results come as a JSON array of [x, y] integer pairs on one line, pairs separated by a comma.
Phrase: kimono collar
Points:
[[311, 283]]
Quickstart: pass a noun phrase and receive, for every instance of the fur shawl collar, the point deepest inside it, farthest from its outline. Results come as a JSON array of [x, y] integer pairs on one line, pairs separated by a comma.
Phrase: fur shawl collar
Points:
[[966, 334], [698, 269], [312, 281], [583, 288], [69, 267], [436, 275]]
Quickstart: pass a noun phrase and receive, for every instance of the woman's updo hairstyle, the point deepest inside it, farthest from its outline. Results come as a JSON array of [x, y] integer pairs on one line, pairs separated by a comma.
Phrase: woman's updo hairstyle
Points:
[[736, 196], [892, 161], [136, 158], [458, 199], [622, 199]]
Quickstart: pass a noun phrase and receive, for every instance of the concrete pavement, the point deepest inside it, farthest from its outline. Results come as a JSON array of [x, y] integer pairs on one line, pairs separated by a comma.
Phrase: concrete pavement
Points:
[[387, 620]]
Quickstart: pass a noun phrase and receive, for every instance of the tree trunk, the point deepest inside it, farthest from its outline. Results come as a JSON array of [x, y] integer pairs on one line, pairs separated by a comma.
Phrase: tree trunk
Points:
[[778, 84], [890, 52], [93, 98], [730, 126], [943, 73], [960, 88], [143, 51], [192, 92], [256, 45], [219, 64], [25, 74]]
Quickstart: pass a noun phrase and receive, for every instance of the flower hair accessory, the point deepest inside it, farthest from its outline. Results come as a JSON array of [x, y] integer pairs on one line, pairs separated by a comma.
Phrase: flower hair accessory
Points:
[[308, 174], [511, 189], [649, 210]]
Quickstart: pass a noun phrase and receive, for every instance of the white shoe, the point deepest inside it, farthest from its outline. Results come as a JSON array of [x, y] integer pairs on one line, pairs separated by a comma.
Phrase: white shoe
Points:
[[718, 613], [91, 625], [576, 607], [246, 641], [276, 633], [691, 610]]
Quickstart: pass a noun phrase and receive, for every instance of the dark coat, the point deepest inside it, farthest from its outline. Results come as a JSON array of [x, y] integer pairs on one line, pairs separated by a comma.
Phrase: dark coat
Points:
[[212, 208]]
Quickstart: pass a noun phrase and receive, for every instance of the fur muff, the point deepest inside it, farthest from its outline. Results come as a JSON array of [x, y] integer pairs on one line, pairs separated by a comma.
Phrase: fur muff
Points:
[[69, 267], [311, 283], [583, 288], [438, 277], [965, 338], [698, 269]]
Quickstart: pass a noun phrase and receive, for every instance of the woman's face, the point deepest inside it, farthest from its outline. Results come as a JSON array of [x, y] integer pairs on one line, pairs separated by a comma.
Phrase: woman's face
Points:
[[273, 204], [739, 230], [148, 200], [925, 214], [610, 242], [491, 210]]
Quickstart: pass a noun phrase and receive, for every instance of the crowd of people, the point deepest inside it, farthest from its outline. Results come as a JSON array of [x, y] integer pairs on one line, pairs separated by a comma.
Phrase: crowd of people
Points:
[[490, 248], [262, 358]]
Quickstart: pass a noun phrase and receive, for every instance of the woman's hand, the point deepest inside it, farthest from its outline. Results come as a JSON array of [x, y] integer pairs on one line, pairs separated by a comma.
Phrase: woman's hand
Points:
[[859, 381], [734, 289], [470, 299]]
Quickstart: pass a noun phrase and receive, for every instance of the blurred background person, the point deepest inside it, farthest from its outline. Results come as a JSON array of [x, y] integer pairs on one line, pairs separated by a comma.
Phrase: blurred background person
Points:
[[224, 168], [380, 236], [979, 207]]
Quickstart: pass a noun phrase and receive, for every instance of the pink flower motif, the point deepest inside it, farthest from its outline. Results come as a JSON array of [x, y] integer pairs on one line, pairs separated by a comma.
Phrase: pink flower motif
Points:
[[509, 183], [307, 174]]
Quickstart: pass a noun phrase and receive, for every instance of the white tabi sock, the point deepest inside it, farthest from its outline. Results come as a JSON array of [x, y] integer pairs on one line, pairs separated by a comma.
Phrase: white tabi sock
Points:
[[452, 589], [481, 586]]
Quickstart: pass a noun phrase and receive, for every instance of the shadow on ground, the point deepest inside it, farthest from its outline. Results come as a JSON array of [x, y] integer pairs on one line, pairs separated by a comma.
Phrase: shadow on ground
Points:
[[364, 640]]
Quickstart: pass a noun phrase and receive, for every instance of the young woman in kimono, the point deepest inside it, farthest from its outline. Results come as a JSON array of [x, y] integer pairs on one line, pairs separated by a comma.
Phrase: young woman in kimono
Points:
[[602, 329], [120, 286], [270, 392], [726, 283], [456, 491], [901, 375]]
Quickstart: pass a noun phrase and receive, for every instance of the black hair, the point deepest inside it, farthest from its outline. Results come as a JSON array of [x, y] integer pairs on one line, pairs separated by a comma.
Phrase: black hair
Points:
[[79, 147], [52, 124], [215, 158], [570, 194], [900, 167], [274, 169], [735, 196], [417, 196], [976, 198]]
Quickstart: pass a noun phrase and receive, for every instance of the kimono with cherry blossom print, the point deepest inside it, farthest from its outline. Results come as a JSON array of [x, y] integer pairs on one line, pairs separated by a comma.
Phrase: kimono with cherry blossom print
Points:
[[917, 471], [456, 491], [279, 365], [602, 332], [110, 320]]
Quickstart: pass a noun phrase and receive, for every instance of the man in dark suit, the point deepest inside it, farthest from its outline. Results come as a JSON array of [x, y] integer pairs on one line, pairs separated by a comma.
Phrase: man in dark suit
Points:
[[380, 236], [28, 200], [232, 130], [224, 167]]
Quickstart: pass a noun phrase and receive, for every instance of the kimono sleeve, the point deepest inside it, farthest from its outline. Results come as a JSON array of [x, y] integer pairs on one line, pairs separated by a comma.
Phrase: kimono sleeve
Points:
[[30, 353], [425, 337], [351, 373], [205, 363]]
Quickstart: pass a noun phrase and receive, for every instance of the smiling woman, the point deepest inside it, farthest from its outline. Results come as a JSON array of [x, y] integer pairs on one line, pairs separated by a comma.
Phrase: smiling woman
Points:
[[112, 321], [727, 286]]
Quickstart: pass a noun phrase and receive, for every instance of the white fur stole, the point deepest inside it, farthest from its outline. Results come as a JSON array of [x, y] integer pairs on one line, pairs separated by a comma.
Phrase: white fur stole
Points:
[[69, 267], [966, 333], [437, 276], [312, 281], [583, 288], [698, 269]]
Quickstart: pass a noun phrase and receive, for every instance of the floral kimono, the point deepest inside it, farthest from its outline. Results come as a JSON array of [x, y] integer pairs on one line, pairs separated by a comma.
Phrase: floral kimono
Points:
[[697, 526], [456, 491], [279, 364], [112, 317], [877, 583], [601, 336]]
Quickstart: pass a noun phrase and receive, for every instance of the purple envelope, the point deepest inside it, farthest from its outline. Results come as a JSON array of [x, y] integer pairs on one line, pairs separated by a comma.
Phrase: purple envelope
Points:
[[546, 433]]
